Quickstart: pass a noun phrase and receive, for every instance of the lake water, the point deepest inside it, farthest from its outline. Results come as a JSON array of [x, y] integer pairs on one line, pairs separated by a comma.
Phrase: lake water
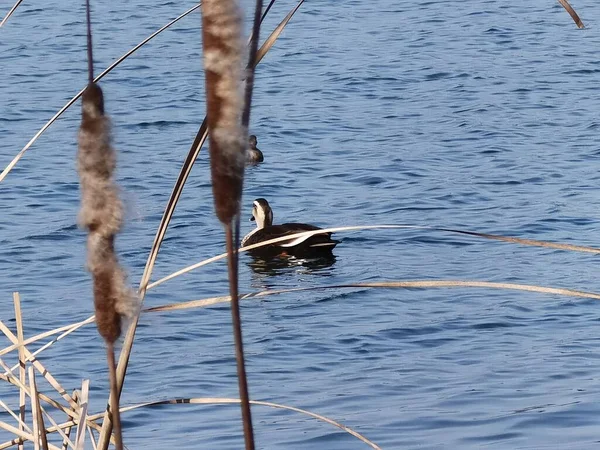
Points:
[[480, 115]]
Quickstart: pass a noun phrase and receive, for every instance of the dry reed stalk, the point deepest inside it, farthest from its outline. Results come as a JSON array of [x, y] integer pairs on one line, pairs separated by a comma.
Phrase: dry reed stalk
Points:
[[69, 328], [106, 71], [39, 367], [114, 397], [39, 430], [22, 425], [92, 439], [81, 425], [22, 436], [528, 242], [34, 410], [67, 437], [14, 378], [65, 425], [19, 323], [565, 4], [10, 13], [405, 284], [66, 440], [228, 401]]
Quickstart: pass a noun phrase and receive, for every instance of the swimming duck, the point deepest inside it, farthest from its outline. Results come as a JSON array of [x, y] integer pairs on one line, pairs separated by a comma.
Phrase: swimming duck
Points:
[[316, 245], [253, 154]]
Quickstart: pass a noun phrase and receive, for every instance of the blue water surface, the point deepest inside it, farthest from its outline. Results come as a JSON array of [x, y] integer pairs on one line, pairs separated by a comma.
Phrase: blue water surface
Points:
[[479, 115]]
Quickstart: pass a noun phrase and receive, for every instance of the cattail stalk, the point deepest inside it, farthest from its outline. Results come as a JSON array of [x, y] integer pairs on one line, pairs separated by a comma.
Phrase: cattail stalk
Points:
[[101, 213], [228, 113]]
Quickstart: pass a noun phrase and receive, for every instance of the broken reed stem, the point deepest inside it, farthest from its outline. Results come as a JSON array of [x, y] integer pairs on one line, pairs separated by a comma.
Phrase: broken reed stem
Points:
[[232, 264], [20, 337], [34, 410], [114, 397]]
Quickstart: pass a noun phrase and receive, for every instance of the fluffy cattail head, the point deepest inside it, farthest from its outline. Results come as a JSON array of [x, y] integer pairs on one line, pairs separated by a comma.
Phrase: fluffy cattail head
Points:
[[223, 50], [101, 213]]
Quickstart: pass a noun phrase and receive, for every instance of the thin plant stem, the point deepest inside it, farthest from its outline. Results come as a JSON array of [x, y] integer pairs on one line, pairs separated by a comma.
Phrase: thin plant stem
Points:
[[232, 239], [114, 398]]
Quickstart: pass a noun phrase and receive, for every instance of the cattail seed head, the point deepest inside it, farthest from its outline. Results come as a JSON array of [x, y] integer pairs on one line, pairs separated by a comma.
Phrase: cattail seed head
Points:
[[101, 213], [223, 50]]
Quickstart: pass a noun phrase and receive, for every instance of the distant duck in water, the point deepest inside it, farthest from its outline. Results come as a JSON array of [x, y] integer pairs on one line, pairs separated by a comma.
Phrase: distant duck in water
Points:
[[253, 154], [305, 246]]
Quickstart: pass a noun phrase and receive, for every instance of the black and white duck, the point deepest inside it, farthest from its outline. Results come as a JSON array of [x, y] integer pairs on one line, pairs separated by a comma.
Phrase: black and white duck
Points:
[[253, 154], [305, 246]]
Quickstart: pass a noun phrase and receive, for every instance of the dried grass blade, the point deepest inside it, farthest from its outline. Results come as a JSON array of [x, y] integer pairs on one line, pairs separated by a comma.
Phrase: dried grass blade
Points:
[[68, 331], [172, 203], [266, 46], [20, 439], [81, 425], [13, 378], [106, 71], [10, 13], [70, 328], [408, 284], [114, 397], [229, 401], [22, 425], [267, 11], [92, 438], [21, 364], [66, 440], [529, 242], [572, 13], [522, 241], [21, 434], [39, 367], [39, 430], [34, 410]]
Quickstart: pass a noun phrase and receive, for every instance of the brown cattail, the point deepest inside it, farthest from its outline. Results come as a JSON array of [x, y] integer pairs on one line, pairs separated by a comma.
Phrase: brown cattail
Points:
[[102, 214], [228, 133], [223, 50]]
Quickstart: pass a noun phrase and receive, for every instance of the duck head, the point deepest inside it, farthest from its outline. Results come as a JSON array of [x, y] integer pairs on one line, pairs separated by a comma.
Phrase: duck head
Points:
[[262, 213], [252, 141]]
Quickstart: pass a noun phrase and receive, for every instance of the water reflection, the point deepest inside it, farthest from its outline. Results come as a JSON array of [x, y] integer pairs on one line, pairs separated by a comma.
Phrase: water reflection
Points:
[[280, 265]]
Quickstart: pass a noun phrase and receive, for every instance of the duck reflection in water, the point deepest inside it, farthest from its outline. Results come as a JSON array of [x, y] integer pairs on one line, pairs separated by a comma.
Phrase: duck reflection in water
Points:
[[284, 264]]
